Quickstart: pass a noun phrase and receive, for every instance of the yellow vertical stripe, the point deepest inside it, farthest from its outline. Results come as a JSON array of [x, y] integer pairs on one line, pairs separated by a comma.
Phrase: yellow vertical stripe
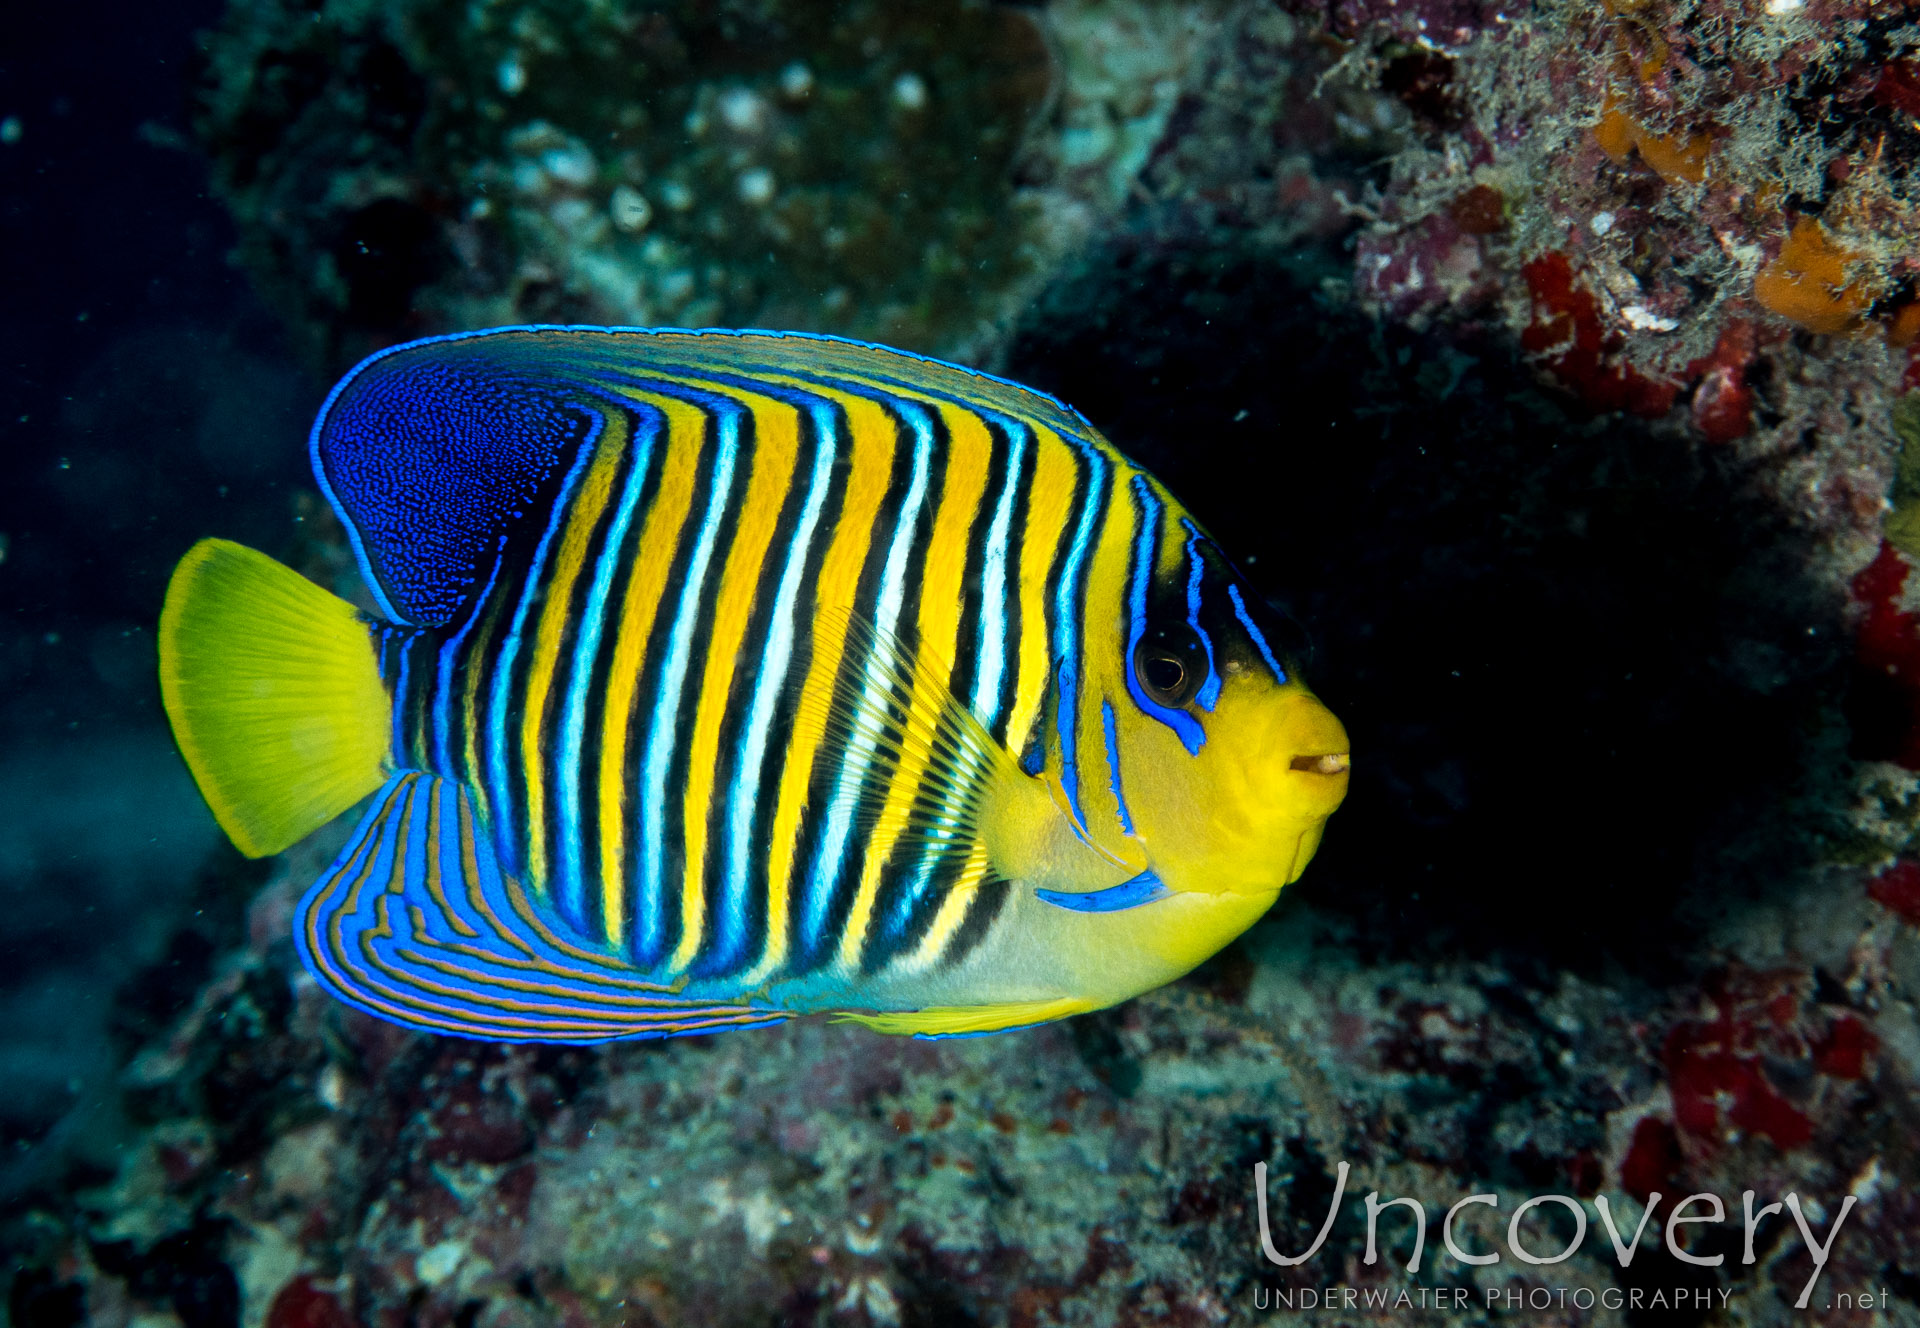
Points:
[[776, 447], [943, 578], [1049, 503], [478, 656], [969, 447], [1103, 639], [870, 468], [639, 605], [582, 519]]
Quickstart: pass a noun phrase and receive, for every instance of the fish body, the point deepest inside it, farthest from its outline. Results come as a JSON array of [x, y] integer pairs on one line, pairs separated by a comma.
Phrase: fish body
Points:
[[723, 677]]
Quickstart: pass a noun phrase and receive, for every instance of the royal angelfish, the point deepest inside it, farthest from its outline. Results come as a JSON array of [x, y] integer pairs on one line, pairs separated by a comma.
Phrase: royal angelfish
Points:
[[722, 677]]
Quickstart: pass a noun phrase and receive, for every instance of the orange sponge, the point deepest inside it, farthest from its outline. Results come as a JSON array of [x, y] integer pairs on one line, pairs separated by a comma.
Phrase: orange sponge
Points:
[[1904, 330], [1677, 157], [1808, 283]]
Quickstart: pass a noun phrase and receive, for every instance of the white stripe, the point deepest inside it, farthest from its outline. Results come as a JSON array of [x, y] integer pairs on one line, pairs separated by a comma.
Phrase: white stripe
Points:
[[531, 590], [991, 650], [886, 613], [649, 932], [570, 890], [772, 678]]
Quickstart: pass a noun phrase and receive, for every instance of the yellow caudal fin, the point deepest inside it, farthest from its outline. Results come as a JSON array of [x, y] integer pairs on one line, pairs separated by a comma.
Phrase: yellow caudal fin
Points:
[[274, 692]]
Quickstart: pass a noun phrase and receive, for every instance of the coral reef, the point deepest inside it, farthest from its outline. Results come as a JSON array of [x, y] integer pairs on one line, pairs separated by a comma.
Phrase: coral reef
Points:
[[302, 1166], [858, 168], [1688, 190]]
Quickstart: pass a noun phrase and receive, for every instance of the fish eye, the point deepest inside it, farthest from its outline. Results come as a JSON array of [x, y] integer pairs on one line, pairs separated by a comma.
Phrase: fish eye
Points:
[[1163, 673], [1171, 665]]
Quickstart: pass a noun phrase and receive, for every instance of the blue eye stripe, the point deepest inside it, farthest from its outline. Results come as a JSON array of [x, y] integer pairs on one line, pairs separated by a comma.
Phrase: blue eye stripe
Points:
[[1113, 765], [1266, 652], [1210, 689], [1185, 727], [1146, 888]]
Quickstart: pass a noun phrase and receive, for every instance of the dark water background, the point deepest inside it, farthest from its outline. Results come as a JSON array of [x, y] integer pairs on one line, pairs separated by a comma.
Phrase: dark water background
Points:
[[147, 400]]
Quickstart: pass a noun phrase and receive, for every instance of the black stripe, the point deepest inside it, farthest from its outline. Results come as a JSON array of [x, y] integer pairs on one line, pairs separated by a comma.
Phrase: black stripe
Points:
[[831, 758], [966, 663], [989, 898], [787, 705], [709, 961], [600, 669], [553, 717], [646, 711]]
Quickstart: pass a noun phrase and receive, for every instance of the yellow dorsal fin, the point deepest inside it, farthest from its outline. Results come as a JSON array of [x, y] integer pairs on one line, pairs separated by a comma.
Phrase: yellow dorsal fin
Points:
[[273, 689]]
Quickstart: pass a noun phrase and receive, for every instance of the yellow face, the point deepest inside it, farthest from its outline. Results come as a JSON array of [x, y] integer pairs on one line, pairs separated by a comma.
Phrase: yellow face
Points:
[[1228, 764]]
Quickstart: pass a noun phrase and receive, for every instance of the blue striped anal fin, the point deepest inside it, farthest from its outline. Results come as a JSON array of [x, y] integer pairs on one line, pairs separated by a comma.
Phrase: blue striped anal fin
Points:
[[416, 923]]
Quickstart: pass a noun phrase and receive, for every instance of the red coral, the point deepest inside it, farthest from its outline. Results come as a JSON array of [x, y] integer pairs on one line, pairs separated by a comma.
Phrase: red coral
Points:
[[301, 1304], [1723, 403], [1700, 1078], [1843, 1052], [1899, 86], [1898, 887], [1886, 704], [1714, 1064], [1653, 1159], [1566, 331]]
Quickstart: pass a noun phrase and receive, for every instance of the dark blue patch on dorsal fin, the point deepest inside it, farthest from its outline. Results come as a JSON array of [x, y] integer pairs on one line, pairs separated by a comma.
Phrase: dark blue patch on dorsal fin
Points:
[[433, 454]]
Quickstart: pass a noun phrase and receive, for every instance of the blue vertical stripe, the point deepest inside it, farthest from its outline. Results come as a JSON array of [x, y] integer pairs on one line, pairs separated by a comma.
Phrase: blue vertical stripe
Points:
[[991, 648], [443, 679], [1113, 763], [1066, 612], [570, 887], [499, 707], [1240, 611], [1188, 729], [771, 680], [649, 933], [827, 859], [1210, 689], [400, 705]]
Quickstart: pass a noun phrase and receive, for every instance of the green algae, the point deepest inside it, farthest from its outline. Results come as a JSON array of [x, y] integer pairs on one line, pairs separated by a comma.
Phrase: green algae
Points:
[[1903, 523]]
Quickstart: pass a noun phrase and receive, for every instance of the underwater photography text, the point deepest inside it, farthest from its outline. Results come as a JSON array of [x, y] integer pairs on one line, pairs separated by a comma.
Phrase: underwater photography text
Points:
[[1692, 1210]]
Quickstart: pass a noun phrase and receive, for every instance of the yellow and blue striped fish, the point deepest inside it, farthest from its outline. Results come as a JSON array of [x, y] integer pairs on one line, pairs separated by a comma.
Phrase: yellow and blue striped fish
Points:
[[721, 677]]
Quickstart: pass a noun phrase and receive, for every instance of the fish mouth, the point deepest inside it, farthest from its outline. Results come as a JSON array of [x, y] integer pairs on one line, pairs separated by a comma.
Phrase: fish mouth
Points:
[[1329, 763]]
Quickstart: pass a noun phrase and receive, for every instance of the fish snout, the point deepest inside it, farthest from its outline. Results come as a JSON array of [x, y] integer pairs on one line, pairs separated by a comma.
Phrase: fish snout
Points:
[[1318, 757]]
